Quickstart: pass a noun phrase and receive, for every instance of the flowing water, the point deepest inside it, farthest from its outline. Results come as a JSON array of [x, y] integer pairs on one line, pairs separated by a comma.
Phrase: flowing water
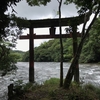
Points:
[[89, 73]]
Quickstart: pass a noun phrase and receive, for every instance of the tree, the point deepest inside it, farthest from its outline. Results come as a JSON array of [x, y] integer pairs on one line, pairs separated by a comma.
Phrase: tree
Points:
[[75, 44], [7, 60], [8, 35], [5, 18], [91, 49], [85, 6], [61, 45]]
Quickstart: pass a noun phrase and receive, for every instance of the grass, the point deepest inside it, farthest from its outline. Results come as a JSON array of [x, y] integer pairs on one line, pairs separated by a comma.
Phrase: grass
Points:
[[50, 90]]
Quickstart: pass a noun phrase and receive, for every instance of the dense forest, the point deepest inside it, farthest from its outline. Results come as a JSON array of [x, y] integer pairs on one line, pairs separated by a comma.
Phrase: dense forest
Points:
[[50, 51], [17, 54]]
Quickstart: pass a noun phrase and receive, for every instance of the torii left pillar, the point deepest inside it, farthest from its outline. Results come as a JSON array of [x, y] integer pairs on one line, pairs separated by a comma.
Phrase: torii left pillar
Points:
[[31, 55]]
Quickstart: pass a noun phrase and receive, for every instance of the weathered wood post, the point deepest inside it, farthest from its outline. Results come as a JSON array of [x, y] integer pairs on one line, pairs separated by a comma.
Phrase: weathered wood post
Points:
[[52, 30], [31, 55], [75, 45], [10, 92]]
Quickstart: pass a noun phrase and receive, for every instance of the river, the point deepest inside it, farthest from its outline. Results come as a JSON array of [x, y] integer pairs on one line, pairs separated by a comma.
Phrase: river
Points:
[[89, 73]]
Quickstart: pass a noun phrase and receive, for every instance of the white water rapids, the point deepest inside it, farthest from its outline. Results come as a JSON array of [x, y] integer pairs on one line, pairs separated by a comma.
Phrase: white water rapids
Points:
[[89, 73]]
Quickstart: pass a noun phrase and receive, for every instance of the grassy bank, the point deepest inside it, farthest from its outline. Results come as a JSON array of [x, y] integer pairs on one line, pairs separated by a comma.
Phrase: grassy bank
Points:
[[50, 90]]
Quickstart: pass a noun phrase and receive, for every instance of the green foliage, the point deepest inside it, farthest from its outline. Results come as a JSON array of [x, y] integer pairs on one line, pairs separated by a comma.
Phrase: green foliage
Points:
[[8, 35], [18, 54], [5, 20], [50, 51], [25, 57], [50, 90], [20, 22], [52, 81], [37, 2], [84, 5], [8, 61], [29, 86], [77, 92], [91, 49], [15, 56]]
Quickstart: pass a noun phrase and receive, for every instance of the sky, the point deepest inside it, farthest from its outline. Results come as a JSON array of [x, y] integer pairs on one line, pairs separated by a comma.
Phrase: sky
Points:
[[41, 12]]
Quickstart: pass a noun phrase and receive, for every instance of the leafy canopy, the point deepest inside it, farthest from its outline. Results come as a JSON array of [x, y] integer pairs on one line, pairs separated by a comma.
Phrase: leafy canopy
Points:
[[4, 18], [8, 36], [37, 2], [82, 5]]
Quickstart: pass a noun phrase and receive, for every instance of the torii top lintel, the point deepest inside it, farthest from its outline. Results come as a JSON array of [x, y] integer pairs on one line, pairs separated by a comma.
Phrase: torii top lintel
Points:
[[54, 22]]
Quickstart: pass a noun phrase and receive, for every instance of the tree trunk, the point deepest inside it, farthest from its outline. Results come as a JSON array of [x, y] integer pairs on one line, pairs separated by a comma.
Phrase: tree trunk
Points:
[[70, 73], [10, 92], [61, 46], [71, 70], [75, 44]]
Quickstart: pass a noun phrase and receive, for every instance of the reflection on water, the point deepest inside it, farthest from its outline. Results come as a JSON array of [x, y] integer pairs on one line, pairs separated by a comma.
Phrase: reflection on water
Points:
[[46, 70]]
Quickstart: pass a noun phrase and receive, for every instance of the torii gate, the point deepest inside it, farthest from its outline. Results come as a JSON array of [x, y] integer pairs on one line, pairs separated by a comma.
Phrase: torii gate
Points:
[[52, 23]]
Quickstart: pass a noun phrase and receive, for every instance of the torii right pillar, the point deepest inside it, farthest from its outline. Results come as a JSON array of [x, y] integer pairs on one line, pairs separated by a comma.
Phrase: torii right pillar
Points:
[[75, 45]]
